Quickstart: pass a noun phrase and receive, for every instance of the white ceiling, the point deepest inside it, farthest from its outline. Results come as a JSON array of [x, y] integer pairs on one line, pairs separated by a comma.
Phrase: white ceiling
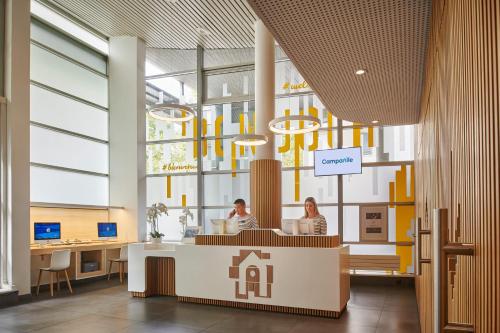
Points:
[[171, 24], [329, 40]]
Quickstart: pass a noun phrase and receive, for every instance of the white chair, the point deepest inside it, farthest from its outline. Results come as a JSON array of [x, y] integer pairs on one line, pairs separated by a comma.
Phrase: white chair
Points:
[[121, 262], [59, 261]]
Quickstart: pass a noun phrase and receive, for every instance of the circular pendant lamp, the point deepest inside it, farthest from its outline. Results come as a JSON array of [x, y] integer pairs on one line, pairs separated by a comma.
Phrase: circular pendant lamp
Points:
[[311, 124], [250, 140], [171, 112]]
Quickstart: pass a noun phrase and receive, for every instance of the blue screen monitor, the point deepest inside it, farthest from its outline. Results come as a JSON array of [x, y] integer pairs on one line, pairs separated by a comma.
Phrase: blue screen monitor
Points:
[[106, 229], [342, 161], [47, 231]]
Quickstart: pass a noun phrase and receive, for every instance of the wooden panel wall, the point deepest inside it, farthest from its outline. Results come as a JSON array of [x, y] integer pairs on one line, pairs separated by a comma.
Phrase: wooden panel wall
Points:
[[265, 192], [457, 162]]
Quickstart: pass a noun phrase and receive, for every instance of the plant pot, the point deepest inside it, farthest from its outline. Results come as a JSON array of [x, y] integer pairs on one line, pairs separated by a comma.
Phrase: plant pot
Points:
[[156, 240]]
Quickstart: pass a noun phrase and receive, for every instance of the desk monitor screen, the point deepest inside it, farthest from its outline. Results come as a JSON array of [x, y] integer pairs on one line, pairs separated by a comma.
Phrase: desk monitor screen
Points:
[[218, 226], [106, 229], [287, 226], [343, 161], [47, 231], [306, 226]]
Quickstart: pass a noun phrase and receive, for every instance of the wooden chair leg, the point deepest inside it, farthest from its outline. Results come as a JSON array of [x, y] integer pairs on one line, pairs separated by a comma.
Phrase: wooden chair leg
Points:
[[38, 283], [57, 279], [51, 283], [67, 281], [109, 269], [120, 264]]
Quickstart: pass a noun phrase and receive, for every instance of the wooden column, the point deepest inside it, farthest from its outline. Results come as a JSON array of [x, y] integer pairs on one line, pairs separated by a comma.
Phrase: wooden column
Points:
[[265, 192]]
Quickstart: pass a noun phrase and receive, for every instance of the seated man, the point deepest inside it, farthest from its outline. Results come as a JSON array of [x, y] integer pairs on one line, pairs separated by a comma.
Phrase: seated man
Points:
[[239, 213]]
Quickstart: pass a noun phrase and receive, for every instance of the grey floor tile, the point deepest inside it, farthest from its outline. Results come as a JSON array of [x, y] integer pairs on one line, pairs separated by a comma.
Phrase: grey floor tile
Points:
[[106, 306]]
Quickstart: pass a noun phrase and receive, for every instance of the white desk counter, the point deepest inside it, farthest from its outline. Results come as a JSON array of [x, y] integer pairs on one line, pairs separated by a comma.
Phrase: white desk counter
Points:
[[306, 280]]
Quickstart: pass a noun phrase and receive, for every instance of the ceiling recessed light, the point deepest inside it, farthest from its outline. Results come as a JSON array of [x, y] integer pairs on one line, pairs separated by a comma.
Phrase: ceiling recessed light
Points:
[[202, 31], [374, 121], [361, 71]]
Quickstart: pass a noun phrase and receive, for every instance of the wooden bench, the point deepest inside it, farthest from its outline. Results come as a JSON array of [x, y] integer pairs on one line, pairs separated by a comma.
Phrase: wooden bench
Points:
[[374, 262]]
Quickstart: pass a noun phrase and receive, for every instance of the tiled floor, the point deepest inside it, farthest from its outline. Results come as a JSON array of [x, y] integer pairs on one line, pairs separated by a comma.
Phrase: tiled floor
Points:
[[107, 307]]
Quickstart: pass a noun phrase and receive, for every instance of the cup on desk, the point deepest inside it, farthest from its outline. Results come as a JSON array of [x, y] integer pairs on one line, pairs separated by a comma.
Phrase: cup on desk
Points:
[[295, 228]]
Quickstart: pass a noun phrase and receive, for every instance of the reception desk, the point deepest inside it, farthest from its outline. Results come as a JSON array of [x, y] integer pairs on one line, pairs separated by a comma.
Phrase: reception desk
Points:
[[256, 269]]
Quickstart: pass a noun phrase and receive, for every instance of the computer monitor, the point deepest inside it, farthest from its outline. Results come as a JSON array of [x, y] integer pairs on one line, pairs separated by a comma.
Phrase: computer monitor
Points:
[[106, 230], [218, 226], [306, 226], [47, 231], [288, 226], [297, 226]]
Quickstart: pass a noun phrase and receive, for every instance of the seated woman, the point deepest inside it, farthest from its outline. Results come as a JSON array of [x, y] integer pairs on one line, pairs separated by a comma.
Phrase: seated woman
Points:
[[245, 220], [311, 212]]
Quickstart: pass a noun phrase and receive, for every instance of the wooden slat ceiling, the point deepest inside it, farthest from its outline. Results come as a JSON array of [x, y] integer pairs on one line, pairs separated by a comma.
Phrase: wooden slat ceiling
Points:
[[329, 40], [171, 24]]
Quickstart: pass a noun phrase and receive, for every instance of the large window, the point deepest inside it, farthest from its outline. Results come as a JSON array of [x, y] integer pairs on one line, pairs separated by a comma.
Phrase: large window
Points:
[[69, 119], [228, 110]]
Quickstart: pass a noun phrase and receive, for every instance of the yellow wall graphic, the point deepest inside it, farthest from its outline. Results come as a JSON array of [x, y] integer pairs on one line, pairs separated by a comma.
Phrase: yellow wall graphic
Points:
[[204, 147], [404, 214], [356, 136]]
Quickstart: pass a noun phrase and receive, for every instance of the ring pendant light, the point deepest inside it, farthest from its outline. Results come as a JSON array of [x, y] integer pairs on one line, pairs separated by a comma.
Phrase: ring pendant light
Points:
[[314, 124], [171, 112], [250, 140]]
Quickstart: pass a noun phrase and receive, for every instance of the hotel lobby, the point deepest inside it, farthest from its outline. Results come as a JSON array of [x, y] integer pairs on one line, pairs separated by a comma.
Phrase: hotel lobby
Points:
[[249, 166]]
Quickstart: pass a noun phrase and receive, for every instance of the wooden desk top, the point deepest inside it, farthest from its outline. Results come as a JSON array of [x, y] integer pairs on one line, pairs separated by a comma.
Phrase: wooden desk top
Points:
[[48, 249]]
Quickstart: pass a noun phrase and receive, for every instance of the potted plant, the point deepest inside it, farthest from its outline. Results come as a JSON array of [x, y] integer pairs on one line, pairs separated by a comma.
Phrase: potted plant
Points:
[[183, 219], [153, 215]]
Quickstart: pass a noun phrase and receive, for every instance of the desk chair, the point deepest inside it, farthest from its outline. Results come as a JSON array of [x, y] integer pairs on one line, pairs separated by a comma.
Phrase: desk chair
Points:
[[121, 262], [59, 261]]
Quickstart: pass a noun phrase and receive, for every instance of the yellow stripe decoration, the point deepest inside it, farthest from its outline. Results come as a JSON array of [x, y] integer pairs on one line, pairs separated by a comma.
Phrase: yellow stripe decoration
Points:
[[195, 135], [204, 148], [371, 141], [183, 125], [391, 194], [233, 159], [330, 131], [242, 131], [286, 145], [219, 148], [298, 144], [356, 136], [297, 174], [312, 147], [251, 130], [169, 186], [184, 200]]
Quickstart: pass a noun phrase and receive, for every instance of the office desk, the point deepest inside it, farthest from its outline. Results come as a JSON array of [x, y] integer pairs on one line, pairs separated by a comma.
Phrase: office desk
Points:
[[100, 252], [256, 269]]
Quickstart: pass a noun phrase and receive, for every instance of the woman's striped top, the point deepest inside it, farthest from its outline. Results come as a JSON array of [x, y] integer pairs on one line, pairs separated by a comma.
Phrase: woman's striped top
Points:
[[319, 224]]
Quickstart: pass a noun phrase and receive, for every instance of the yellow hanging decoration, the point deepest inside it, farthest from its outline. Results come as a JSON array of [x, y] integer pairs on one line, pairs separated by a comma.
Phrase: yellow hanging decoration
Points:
[[219, 149], [286, 145], [312, 147]]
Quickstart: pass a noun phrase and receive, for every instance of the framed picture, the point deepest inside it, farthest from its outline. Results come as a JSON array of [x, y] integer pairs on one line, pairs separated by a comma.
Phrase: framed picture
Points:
[[190, 233], [373, 224]]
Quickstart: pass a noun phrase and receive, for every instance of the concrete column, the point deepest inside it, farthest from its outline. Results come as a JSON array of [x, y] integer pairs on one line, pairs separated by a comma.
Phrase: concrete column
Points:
[[264, 88], [265, 171], [127, 136], [16, 132]]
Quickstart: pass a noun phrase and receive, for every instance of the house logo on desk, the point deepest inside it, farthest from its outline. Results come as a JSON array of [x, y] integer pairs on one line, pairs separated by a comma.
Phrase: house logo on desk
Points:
[[252, 274]]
